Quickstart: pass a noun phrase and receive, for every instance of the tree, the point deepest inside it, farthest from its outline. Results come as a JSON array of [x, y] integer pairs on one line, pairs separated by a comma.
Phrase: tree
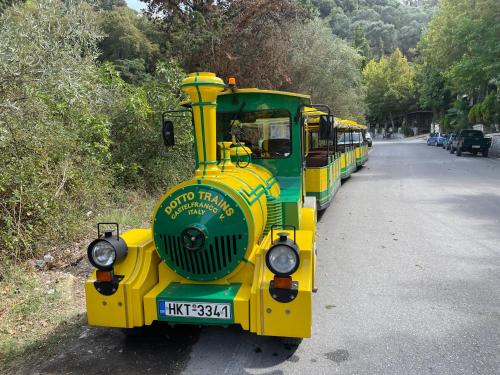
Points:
[[328, 68], [462, 41], [247, 39], [361, 44], [127, 44], [193, 29], [391, 88], [388, 24], [432, 91], [461, 44]]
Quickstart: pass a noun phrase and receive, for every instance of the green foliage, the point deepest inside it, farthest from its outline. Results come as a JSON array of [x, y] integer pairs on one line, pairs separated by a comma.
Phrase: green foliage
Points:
[[475, 114], [432, 90], [462, 41], [486, 112], [136, 116], [327, 68], [130, 43], [361, 44], [193, 30], [110, 4], [387, 24], [407, 131], [71, 133], [53, 137], [461, 55], [456, 118], [391, 88]]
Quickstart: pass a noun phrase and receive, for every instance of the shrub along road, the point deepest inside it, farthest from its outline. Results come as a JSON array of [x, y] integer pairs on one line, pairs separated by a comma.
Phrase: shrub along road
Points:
[[408, 276]]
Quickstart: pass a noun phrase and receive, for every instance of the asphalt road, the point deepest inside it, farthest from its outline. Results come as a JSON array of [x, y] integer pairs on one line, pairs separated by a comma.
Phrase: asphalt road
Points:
[[408, 276]]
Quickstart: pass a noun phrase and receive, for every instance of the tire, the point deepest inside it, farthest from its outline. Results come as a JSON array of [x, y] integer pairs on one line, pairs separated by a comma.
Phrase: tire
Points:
[[452, 150], [459, 151], [485, 153]]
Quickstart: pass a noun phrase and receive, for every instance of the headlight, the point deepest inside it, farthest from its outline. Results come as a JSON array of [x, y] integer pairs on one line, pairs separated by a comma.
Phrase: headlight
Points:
[[283, 257], [104, 252]]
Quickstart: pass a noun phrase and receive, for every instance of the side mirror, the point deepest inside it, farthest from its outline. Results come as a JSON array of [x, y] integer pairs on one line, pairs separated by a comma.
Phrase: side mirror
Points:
[[168, 133]]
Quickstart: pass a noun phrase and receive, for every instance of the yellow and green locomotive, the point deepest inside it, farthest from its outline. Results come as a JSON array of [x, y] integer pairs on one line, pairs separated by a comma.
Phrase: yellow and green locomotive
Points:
[[233, 245]]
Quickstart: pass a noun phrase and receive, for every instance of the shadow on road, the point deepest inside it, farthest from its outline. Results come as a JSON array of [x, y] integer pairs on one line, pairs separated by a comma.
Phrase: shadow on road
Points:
[[75, 348], [85, 350]]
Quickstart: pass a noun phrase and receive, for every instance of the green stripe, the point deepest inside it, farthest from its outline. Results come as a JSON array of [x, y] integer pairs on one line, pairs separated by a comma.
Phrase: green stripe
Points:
[[198, 83], [204, 104], [202, 125], [245, 198]]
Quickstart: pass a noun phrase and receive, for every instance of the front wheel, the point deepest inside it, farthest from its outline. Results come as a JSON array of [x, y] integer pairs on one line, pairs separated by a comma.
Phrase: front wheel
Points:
[[485, 153], [452, 150], [459, 151]]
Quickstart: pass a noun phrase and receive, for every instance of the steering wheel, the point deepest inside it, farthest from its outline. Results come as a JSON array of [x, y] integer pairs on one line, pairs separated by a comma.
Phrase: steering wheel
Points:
[[193, 239]]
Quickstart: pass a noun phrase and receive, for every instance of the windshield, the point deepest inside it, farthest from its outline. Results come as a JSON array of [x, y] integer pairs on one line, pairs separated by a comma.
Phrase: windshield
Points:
[[266, 132], [346, 138], [471, 133]]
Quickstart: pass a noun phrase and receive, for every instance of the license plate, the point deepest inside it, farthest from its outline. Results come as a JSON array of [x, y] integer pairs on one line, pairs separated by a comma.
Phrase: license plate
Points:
[[178, 309], [475, 146]]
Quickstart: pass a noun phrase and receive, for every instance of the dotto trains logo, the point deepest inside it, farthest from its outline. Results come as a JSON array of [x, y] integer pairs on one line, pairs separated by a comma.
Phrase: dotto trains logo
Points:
[[199, 204]]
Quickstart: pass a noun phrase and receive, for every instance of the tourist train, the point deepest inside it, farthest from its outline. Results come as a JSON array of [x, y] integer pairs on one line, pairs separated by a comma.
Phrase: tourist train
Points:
[[235, 244]]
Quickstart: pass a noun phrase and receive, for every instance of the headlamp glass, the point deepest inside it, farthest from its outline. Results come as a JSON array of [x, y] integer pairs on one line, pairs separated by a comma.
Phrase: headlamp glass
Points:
[[103, 254], [282, 259]]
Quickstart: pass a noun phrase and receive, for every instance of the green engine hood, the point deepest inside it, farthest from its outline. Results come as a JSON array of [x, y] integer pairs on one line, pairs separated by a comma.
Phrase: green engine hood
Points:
[[201, 232]]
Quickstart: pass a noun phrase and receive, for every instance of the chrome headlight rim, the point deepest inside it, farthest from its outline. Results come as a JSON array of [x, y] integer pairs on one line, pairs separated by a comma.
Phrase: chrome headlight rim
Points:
[[293, 250]]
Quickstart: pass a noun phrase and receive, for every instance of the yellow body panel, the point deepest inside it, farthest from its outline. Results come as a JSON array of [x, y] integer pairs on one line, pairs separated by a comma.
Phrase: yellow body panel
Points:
[[316, 179], [139, 268], [343, 159], [293, 319]]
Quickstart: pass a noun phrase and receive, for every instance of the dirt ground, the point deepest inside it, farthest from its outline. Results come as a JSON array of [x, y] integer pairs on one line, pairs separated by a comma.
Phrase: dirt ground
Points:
[[71, 347]]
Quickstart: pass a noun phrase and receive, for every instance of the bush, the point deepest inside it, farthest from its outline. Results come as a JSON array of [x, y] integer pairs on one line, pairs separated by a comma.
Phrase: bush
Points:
[[407, 131], [54, 139], [138, 155], [72, 133]]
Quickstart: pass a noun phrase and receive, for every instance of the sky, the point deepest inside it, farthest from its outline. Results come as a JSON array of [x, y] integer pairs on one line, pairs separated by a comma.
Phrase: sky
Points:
[[136, 4]]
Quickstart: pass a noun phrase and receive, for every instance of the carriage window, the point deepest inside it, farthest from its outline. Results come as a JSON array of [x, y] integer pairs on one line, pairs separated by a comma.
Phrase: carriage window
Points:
[[347, 137], [266, 132]]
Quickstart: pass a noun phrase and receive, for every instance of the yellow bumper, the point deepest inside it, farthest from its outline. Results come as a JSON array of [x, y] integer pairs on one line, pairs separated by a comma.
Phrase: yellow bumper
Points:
[[134, 304]]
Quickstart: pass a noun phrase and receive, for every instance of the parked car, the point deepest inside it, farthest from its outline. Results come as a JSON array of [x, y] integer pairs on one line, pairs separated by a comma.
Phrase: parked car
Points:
[[440, 138], [435, 139], [448, 140], [431, 139], [472, 141], [368, 138]]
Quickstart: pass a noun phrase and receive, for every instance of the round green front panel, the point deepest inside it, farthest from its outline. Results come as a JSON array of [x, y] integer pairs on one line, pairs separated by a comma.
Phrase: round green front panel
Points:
[[201, 232]]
